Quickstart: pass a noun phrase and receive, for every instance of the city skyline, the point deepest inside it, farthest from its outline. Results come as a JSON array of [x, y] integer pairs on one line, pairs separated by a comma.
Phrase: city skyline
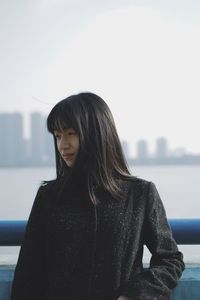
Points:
[[26, 129], [38, 149], [18, 150]]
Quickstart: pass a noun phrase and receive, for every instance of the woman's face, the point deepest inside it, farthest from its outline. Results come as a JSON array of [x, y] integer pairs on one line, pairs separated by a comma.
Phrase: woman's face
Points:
[[68, 145]]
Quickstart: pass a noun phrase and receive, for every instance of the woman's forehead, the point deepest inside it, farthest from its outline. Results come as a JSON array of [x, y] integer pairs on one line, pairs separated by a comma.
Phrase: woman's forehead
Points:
[[61, 124], [64, 129]]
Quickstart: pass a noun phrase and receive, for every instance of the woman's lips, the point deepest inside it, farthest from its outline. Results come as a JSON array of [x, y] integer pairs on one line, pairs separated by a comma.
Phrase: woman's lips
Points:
[[67, 156]]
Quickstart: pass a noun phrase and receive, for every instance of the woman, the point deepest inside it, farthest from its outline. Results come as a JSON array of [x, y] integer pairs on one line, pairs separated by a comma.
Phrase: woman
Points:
[[87, 228]]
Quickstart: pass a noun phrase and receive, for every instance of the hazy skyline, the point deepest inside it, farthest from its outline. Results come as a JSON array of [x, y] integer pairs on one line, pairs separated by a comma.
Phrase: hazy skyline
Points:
[[12, 129], [142, 57]]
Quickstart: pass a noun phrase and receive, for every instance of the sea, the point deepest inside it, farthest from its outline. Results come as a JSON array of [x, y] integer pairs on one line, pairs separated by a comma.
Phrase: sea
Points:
[[178, 186]]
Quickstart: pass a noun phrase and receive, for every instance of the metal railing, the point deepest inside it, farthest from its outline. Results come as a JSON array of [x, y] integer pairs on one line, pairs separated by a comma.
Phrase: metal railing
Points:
[[185, 231]]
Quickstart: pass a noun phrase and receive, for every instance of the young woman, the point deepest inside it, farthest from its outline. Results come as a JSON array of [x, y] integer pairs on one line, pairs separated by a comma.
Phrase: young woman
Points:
[[87, 228]]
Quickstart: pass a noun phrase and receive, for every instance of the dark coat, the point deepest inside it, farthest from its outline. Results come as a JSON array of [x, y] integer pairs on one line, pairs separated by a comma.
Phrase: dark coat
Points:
[[77, 251]]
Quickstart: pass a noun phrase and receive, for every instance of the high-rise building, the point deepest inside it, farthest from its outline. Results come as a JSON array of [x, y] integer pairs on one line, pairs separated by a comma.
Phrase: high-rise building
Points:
[[125, 148], [41, 141], [37, 138], [12, 149], [161, 147], [3, 123], [142, 150]]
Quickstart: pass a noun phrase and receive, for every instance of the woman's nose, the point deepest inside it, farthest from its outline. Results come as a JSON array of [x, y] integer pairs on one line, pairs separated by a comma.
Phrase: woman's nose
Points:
[[64, 144]]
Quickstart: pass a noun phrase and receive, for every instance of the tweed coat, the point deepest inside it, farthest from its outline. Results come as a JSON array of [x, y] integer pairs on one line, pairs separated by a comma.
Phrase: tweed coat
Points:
[[75, 250]]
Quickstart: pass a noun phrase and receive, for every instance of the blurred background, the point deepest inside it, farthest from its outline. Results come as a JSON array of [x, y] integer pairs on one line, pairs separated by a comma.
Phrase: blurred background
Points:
[[141, 57]]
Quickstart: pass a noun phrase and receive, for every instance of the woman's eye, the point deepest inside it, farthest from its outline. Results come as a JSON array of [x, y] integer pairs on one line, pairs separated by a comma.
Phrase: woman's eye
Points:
[[57, 136], [71, 132]]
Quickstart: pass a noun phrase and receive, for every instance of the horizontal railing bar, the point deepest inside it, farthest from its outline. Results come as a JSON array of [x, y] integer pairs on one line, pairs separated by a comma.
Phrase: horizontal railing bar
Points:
[[185, 231], [12, 232]]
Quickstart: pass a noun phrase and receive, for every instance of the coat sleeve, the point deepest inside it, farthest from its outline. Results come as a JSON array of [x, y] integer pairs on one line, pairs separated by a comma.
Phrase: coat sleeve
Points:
[[166, 264], [29, 275]]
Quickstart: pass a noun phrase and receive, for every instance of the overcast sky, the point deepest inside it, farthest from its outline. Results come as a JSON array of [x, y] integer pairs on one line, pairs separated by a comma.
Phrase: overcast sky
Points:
[[142, 57]]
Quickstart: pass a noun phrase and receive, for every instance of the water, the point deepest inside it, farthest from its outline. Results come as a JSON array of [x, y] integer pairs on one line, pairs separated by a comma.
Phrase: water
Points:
[[178, 187]]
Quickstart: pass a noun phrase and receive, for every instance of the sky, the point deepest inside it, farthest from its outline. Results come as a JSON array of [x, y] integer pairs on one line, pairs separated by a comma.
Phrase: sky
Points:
[[142, 57]]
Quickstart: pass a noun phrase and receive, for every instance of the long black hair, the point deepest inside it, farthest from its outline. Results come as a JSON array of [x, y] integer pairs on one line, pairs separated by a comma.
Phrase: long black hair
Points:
[[100, 155]]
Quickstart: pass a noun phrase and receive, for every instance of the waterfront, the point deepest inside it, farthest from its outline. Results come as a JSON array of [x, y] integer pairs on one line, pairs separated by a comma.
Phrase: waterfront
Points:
[[178, 187]]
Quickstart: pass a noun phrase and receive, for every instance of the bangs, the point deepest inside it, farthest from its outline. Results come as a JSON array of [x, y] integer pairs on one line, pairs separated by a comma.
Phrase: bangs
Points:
[[61, 118]]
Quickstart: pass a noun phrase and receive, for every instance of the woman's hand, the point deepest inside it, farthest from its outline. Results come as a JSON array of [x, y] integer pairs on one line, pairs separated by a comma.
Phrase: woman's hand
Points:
[[123, 298]]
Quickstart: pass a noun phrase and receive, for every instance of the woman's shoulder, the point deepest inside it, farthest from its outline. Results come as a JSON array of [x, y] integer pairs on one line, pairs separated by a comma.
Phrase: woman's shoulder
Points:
[[133, 186], [48, 186], [136, 181]]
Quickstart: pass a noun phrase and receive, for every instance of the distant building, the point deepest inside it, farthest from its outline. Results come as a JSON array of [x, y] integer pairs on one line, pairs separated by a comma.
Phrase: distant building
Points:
[[125, 147], [41, 141], [142, 150], [178, 152], [161, 148], [37, 138], [12, 148]]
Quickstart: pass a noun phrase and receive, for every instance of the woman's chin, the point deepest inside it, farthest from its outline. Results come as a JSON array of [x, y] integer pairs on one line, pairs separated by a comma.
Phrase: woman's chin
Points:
[[69, 163]]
